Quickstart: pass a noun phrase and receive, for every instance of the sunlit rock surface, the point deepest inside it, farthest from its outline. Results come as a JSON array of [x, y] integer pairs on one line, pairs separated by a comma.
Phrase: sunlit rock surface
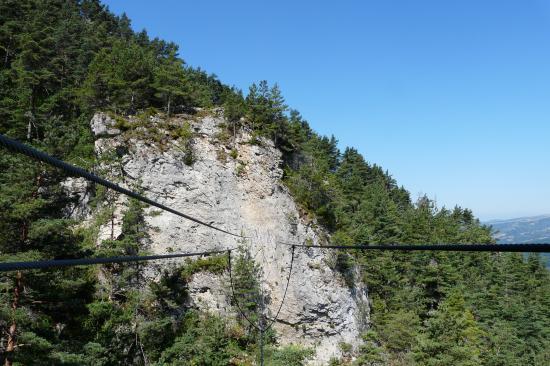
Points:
[[243, 195]]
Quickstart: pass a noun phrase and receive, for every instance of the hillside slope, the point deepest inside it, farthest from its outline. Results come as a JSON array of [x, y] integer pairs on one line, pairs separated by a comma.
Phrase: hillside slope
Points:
[[261, 169], [245, 194], [535, 229]]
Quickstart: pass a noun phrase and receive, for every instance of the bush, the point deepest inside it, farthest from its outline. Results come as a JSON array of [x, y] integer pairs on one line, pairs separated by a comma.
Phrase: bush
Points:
[[184, 132], [221, 155], [240, 170], [121, 123], [203, 342], [288, 356], [214, 264]]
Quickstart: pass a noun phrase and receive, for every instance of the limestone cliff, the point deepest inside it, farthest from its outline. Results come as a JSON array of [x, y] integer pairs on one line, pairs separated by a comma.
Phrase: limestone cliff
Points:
[[242, 193]]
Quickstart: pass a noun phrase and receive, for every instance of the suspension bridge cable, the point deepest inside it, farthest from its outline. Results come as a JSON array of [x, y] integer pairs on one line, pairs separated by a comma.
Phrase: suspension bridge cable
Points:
[[17, 147], [274, 319], [286, 289], [234, 295], [520, 247], [262, 328], [54, 263]]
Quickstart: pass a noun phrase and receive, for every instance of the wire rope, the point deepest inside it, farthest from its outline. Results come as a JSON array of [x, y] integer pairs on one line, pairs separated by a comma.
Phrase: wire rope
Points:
[[520, 247], [18, 147], [55, 263]]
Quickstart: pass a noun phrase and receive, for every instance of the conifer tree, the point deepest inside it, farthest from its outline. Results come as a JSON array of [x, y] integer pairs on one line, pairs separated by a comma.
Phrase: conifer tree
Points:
[[451, 337], [170, 82], [120, 78]]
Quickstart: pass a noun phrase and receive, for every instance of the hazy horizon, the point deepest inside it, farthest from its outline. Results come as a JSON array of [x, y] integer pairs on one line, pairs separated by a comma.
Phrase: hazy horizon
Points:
[[515, 218]]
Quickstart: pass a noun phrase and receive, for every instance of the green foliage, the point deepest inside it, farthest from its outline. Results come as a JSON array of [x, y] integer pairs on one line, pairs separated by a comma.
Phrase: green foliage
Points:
[[370, 353], [223, 136], [120, 78], [361, 204], [451, 336], [170, 82], [203, 341], [240, 170], [345, 265], [216, 264], [255, 140], [399, 331], [221, 155], [346, 348], [265, 109], [184, 135], [246, 275], [234, 107], [62, 60], [121, 123], [288, 356], [184, 132]]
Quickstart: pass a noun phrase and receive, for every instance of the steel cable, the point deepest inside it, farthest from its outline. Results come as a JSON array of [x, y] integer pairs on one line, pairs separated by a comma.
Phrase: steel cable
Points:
[[54, 263], [534, 248], [234, 296], [17, 147], [286, 289]]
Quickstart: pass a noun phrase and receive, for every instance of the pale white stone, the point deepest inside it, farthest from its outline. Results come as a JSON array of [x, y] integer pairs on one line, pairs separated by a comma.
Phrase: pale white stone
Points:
[[78, 190], [320, 310], [103, 125]]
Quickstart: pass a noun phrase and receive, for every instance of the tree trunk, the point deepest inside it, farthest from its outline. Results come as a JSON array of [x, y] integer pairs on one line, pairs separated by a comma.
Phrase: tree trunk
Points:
[[12, 332], [113, 225], [29, 130], [234, 134], [6, 58], [169, 100]]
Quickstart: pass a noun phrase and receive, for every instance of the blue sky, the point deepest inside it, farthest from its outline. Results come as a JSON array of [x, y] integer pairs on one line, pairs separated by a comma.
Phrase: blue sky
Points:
[[452, 97]]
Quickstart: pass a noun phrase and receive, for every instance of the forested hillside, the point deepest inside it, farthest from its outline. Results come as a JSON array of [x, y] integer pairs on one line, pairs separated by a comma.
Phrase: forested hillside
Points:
[[62, 60]]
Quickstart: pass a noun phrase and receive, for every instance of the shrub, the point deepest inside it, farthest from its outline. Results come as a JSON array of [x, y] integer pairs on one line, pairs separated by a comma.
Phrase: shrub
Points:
[[213, 264], [221, 155], [183, 132], [288, 356], [240, 170], [121, 123]]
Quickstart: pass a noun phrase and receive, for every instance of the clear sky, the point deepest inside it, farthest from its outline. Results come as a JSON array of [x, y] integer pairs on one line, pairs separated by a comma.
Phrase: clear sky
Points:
[[452, 97]]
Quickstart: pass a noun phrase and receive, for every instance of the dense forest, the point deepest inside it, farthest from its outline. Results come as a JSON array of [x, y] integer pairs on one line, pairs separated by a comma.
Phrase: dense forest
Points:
[[61, 60]]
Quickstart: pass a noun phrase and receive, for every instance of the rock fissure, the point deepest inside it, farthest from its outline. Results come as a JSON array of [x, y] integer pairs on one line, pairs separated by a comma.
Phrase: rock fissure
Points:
[[243, 195]]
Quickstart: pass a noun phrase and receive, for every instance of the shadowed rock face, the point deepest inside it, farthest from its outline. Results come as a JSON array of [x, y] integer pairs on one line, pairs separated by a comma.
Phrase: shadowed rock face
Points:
[[243, 195]]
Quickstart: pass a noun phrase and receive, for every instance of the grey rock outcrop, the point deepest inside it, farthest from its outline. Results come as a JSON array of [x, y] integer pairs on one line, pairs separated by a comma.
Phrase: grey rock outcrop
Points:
[[103, 125], [78, 190], [243, 195]]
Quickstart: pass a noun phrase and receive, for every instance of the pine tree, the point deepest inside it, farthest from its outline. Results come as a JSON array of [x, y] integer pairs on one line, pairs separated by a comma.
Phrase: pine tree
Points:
[[451, 337], [120, 78], [170, 82]]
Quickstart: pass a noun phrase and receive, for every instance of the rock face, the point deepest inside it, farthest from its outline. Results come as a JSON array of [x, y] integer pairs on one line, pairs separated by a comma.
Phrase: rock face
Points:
[[78, 191], [103, 125], [243, 195]]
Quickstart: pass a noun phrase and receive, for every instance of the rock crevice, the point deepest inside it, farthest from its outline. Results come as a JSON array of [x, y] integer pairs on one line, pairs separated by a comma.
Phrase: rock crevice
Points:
[[243, 195]]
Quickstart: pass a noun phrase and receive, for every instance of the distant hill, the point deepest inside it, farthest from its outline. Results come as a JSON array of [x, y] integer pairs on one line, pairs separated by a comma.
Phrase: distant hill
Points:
[[79, 83], [534, 229]]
